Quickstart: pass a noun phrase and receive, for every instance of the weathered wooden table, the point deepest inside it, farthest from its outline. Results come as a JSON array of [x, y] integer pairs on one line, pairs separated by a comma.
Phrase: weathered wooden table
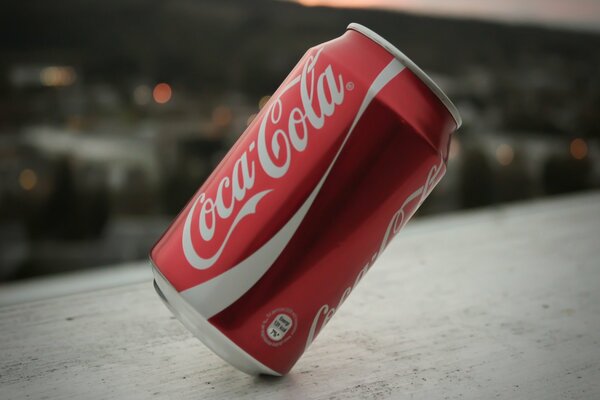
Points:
[[500, 303]]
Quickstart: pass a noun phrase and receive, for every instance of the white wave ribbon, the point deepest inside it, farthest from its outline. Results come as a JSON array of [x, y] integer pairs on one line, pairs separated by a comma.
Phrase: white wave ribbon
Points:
[[213, 296]]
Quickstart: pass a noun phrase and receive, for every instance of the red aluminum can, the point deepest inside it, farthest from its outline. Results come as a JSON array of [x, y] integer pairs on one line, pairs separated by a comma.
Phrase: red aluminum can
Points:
[[305, 201]]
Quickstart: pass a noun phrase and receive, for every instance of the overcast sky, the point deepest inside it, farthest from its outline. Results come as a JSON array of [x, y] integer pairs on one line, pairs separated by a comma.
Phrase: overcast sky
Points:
[[579, 14]]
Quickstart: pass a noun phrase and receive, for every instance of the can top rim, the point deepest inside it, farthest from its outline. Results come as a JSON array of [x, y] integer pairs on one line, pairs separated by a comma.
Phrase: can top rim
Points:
[[407, 62]]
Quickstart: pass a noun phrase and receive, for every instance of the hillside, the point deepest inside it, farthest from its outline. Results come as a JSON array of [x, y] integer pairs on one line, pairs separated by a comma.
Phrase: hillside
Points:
[[214, 46]]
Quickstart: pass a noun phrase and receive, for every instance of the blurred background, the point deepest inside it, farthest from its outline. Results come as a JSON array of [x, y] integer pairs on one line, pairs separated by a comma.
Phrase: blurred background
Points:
[[113, 113]]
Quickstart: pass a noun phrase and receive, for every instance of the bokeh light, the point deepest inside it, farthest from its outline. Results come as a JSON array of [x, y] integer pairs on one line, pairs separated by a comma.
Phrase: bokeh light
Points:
[[578, 149], [263, 101], [57, 76], [505, 154], [222, 116], [28, 179], [162, 93], [454, 150]]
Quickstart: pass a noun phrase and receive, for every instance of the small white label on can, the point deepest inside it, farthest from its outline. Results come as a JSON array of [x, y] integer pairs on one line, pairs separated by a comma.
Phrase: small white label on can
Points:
[[279, 327]]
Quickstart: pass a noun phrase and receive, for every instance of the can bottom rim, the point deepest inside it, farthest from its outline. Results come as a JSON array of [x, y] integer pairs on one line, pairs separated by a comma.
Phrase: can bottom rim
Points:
[[205, 331]]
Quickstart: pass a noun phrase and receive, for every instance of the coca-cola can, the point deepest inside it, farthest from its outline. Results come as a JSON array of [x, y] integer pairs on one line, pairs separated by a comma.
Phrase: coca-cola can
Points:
[[299, 209]]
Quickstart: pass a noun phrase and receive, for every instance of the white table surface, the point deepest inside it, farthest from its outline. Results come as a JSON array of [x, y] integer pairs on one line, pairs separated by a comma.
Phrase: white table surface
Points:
[[499, 303]]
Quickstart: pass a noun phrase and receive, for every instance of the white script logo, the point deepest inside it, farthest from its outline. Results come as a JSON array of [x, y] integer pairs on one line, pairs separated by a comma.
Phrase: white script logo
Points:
[[397, 221], [276, 143]]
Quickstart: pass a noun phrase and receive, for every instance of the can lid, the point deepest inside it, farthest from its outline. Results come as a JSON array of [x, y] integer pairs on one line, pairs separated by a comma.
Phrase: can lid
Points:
[[407, 62]]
